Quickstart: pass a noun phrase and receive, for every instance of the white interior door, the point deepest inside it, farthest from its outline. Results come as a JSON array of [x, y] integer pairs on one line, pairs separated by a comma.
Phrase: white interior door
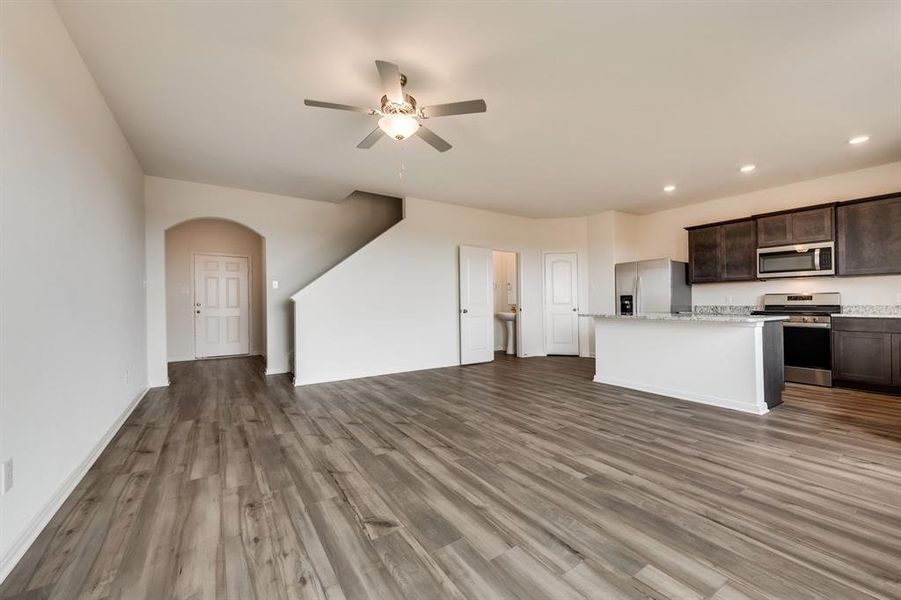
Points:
[[561, 308], [476, 305], [221, 305]]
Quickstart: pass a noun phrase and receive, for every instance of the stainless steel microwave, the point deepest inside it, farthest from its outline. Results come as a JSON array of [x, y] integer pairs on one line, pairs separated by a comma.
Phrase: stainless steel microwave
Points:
[[799, 260]]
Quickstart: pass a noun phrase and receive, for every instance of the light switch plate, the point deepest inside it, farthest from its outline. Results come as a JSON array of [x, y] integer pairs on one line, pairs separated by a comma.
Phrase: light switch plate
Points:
[[275, 284], [6, 476]]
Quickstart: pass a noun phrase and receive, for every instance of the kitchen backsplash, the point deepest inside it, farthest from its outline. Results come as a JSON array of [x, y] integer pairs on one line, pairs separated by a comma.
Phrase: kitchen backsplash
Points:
[[744, 309], [724, 309], [871, 309]]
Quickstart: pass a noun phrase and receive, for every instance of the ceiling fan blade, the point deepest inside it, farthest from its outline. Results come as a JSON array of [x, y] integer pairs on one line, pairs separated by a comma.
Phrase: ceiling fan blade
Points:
[[390, 76], [454, 108], [371, 139], [319, 104], [433, 139]]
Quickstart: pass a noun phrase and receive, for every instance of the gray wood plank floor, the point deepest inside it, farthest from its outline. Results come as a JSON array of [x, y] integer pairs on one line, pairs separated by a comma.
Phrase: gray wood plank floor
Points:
[[517, 479]]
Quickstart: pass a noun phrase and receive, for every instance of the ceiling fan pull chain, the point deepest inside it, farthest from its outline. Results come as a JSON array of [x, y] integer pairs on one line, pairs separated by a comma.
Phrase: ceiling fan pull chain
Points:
[[400, 175]]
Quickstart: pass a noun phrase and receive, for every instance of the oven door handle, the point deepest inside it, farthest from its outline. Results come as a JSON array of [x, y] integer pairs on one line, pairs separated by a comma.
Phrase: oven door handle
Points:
[[808, 325]]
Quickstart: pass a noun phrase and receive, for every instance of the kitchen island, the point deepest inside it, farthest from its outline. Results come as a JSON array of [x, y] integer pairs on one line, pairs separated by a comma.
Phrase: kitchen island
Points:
[[732, 361]]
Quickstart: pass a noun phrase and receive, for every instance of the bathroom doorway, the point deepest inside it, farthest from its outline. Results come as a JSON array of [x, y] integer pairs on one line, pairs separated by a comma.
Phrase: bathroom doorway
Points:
[[507, 326], [490, 288]]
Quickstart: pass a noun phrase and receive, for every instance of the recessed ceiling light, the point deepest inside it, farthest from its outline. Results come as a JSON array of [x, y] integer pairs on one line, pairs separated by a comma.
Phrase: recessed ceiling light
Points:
[[748, 168], [669, 188], [860, 139]]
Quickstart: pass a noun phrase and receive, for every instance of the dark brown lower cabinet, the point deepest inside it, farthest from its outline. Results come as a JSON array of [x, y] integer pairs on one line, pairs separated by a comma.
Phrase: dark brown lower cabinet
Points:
[[867, 353], [862, 356]]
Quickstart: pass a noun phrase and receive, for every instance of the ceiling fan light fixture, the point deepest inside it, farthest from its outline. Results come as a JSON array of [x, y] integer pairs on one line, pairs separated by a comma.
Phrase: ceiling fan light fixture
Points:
[[399, 126]]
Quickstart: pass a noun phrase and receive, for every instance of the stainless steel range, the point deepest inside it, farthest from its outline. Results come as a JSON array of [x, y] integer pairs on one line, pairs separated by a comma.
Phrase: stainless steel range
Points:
[[807, 335]]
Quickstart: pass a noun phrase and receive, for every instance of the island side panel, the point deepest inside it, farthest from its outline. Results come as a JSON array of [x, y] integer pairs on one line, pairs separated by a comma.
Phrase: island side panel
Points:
[[773, 363], [714, 363]]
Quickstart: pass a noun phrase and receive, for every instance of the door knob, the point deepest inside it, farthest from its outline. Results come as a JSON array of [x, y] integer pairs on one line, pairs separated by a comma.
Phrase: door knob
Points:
[[197, 311], [575, 310], [465, 310]]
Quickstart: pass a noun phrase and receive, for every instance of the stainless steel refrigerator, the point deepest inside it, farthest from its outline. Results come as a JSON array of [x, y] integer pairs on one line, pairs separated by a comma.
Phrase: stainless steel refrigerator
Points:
[[652, 286]]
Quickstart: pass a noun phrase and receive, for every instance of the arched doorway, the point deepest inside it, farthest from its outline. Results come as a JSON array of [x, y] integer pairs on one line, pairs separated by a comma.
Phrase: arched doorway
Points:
[[215, 293]]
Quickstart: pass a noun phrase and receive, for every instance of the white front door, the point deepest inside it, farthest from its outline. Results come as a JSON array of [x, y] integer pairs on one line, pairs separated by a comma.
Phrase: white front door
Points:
[[561, 308], [221, 305], [476, 305]]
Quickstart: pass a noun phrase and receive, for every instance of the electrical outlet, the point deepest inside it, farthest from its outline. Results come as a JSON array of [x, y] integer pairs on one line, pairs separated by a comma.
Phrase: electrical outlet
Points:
[[126, 376], [275, 284], [6, 476]]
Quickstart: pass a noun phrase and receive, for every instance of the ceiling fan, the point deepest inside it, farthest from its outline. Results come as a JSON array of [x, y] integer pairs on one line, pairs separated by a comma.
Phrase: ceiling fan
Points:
[[400, 115]]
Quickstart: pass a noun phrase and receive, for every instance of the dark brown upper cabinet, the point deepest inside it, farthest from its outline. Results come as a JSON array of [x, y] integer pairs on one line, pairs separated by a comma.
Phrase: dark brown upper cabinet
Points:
[[798, 227], [816, 225], [869, 237], [774, 231], [738, 251], [704, 254], [726, 252]]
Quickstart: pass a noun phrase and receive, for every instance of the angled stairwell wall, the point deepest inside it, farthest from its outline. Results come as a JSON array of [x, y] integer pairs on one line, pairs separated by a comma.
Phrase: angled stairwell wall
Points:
[[302, 239], [393, 305]]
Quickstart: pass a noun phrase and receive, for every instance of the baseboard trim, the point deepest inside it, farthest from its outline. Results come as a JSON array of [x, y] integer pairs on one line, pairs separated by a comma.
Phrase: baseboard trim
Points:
[[21, 544], [682, 395], [298, 383]]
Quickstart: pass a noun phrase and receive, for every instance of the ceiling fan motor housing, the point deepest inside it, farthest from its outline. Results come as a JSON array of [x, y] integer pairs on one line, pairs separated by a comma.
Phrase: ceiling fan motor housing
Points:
[[408, 107]]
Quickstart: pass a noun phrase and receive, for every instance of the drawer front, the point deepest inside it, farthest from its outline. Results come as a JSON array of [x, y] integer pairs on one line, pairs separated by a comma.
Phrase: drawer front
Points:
[[866, 324]]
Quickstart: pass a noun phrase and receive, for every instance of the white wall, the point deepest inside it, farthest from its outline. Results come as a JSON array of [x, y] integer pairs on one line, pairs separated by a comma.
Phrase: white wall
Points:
[[662, 234], [303, 238], [72, 269], [216, 236], [409, 277]]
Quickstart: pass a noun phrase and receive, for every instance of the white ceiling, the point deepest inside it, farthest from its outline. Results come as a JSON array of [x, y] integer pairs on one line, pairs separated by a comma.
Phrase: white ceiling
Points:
[[591, 106]]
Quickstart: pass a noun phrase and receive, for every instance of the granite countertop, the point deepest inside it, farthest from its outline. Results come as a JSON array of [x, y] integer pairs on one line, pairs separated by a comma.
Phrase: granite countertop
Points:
[[869, 316], [689, 317]]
